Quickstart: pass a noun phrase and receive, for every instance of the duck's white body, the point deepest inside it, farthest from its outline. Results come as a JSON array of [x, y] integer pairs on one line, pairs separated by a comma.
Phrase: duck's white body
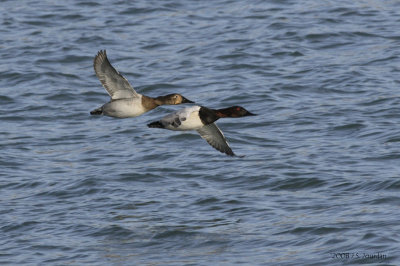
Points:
[[124, 108], [185, 119]]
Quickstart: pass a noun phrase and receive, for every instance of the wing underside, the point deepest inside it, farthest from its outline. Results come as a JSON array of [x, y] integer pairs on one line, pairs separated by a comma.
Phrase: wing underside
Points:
[[213, 135]]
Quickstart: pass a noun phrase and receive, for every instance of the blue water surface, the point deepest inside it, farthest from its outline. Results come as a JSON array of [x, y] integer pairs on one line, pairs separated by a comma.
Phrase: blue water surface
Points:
[[319, 181]]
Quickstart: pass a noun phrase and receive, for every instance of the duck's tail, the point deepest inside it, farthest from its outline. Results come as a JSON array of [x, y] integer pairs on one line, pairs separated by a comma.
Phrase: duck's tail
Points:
[[156, 124], [97, 111]]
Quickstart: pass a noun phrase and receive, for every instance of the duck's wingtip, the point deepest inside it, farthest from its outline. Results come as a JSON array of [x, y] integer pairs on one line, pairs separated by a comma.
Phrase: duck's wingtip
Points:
[[101, 55], [102, 52], [232, 154], [97, 111]]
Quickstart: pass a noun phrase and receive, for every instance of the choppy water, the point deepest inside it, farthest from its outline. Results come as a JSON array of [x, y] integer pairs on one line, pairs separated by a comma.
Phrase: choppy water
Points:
[[321, 169]]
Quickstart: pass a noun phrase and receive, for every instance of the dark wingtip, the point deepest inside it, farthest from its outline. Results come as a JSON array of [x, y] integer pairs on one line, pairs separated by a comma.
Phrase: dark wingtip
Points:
[[156, 124], [96, 112], [100, 57], [102, 52], [228, 152], [235, 155]]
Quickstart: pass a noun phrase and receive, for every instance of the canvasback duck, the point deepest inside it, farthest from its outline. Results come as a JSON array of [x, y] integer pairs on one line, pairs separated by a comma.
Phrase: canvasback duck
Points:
[[125, 101], [202, 120]]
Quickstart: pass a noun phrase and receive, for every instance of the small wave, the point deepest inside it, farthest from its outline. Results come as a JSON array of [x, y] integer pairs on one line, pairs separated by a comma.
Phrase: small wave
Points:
[[181, 233], [112, 231], [349, 127], [297, 183]]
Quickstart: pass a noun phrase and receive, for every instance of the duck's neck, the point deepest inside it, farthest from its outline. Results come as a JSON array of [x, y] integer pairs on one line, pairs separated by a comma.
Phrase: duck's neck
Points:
[[160, 100], [224, 112], [207, 115], [149, 102]]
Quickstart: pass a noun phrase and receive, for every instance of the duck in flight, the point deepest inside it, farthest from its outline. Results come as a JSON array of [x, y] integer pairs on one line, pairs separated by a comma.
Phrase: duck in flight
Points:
[[202, 120], [125, 101]]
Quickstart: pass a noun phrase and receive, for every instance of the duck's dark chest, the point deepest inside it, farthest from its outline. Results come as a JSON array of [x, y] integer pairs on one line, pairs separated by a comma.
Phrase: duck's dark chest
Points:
[[207, 116]]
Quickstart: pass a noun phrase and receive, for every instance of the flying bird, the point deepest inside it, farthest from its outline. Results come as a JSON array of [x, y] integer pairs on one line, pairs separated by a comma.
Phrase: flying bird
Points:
[[202, 120], [125, 101]]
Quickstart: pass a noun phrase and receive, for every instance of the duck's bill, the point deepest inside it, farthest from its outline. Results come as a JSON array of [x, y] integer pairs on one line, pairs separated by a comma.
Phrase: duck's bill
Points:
[[184, 100], [249, 114]]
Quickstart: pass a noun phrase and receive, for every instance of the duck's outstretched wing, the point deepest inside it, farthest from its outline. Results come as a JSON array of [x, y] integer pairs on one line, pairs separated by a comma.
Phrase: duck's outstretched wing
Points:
[[213, 135], [115, 84]]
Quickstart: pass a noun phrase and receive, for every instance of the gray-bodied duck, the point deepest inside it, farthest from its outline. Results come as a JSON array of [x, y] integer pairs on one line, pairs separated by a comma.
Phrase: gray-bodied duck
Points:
[[125, 101]]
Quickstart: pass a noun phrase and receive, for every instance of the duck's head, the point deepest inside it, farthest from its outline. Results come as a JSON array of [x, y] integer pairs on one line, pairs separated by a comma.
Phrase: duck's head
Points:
[[174, 98], [234, 111]]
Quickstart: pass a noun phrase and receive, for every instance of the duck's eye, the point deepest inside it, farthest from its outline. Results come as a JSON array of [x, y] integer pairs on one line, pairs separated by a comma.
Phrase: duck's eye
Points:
[[237, 108]]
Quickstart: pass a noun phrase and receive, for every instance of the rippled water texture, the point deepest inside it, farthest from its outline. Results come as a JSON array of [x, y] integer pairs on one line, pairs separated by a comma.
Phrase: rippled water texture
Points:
[[319, 183]]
